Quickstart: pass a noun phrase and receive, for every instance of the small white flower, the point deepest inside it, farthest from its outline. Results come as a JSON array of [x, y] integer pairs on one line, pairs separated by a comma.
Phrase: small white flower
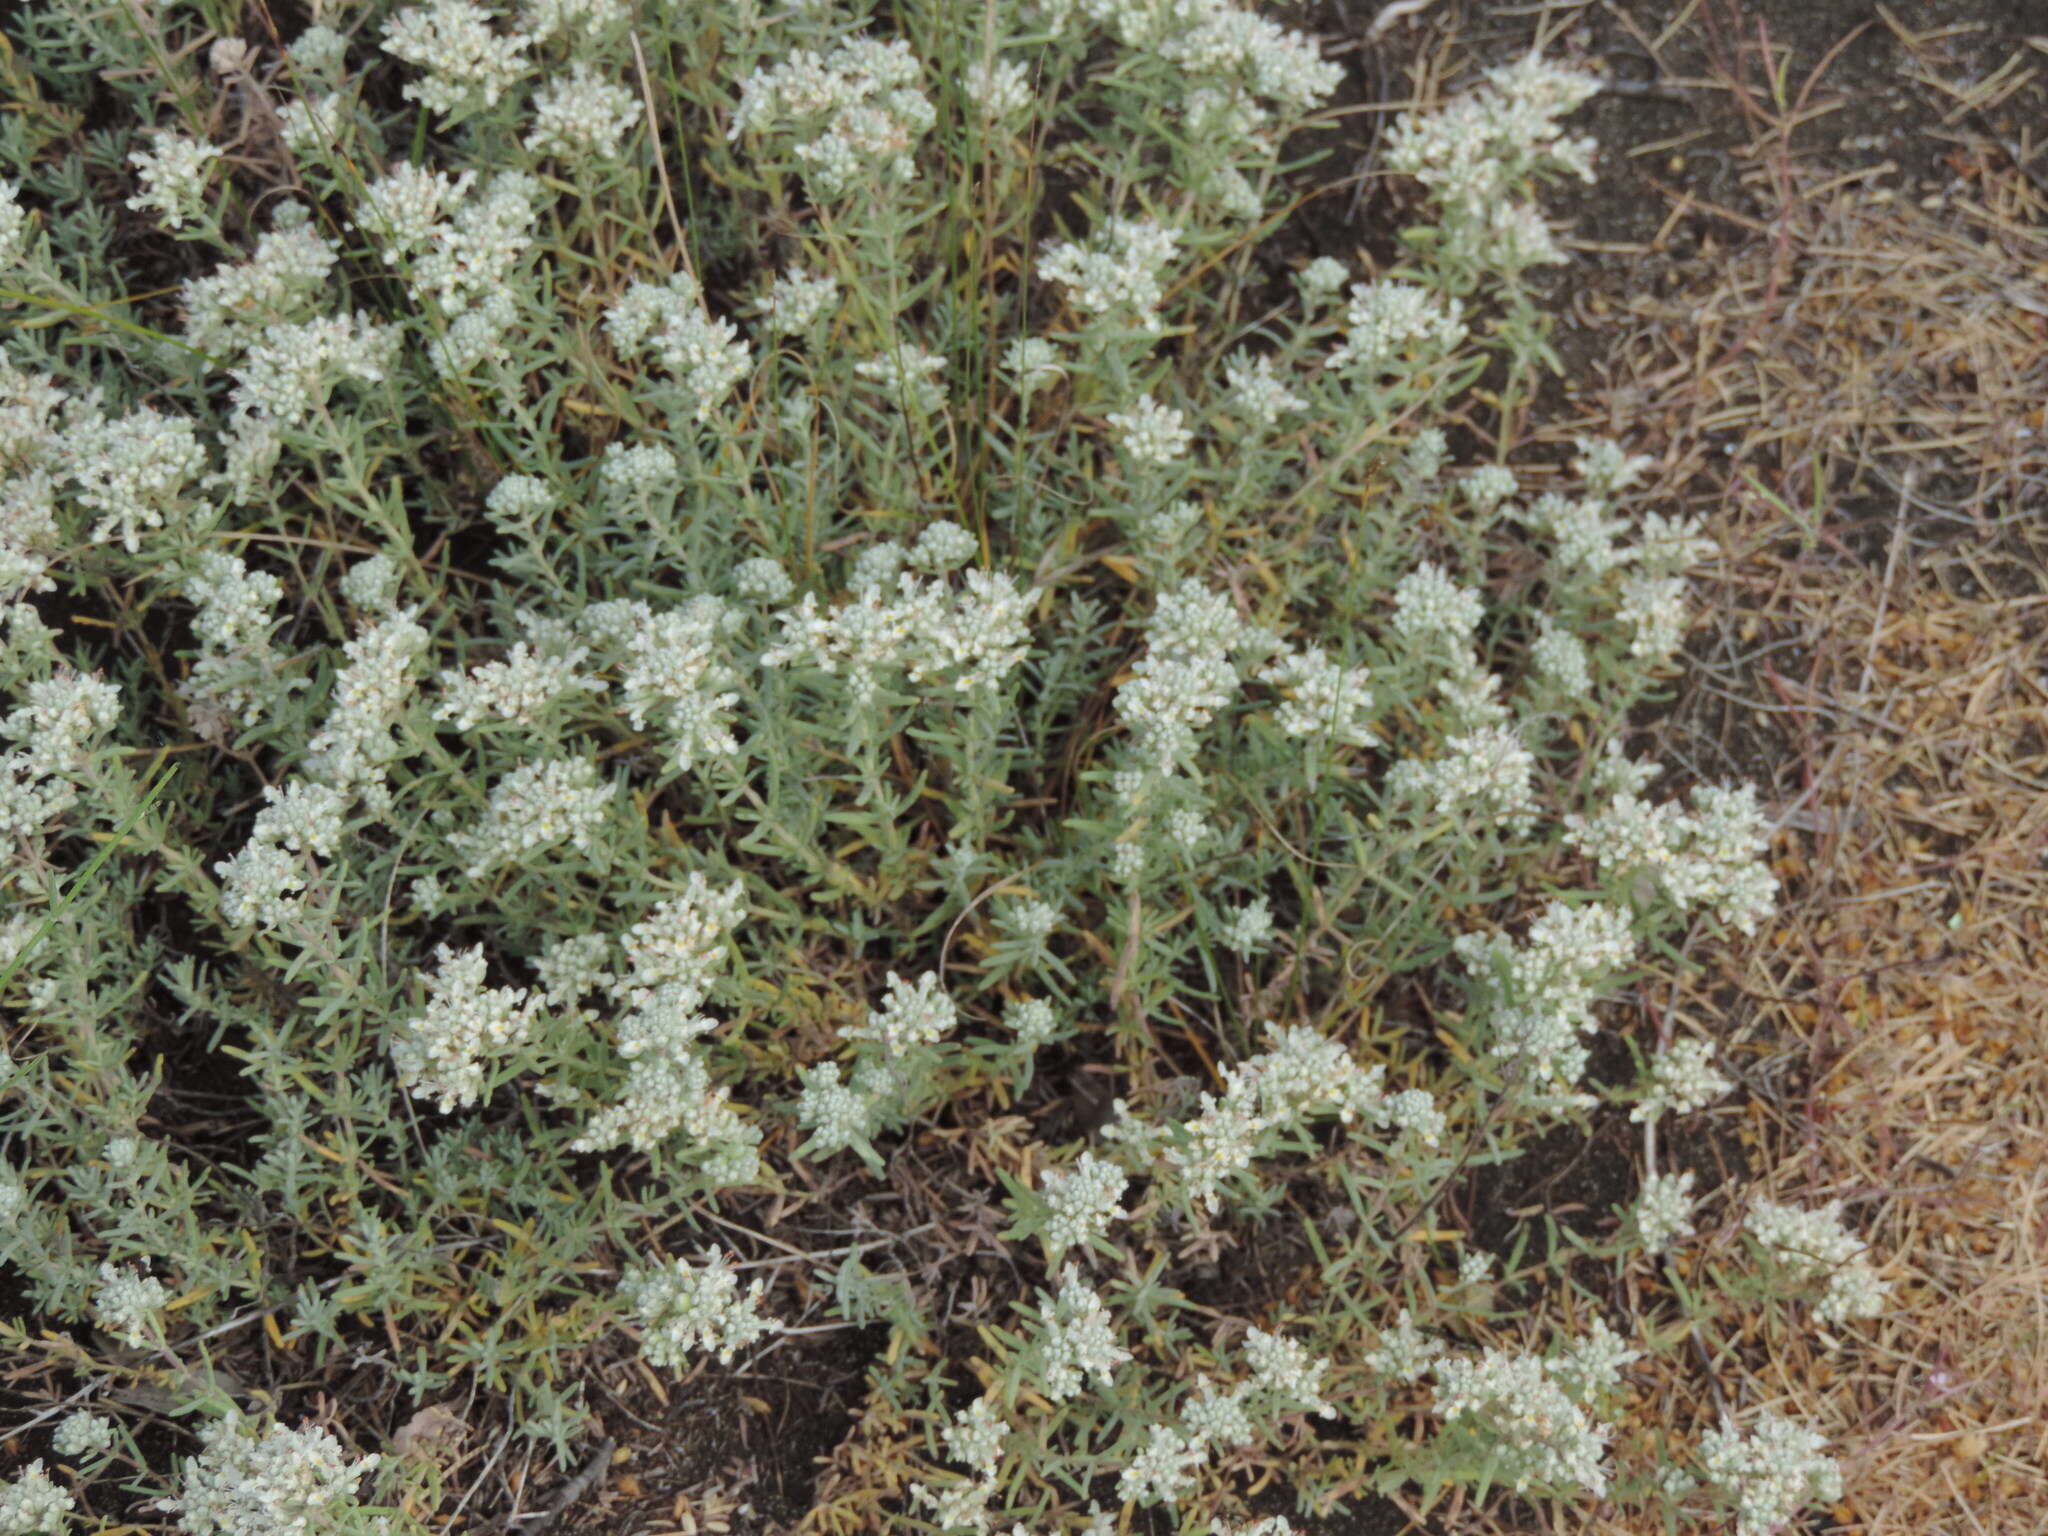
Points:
[[445, 1051], [797, 301], [1256, 393], [1119, 272], [251, 1482], [1428, 603], [913, 1014], [584, 116], [1682, 1079], [1488, 486], [999, 88], [1249, 929], [129, 1303], [1085, 1198], [1324, 278], [1031, 1021], [174, 173], [762, 580], [943, 547], [1034, 363], [536, 806], [1285, 1368], [79, 1435], [1814, 1245], [466, 64], [1769, 1474], [1388, 321], [1150, 433], [1079, 1340], [1164, 1469], [1404, 1352], [682, 1308], [975, 1436], [1663, 1211], [908, 376]]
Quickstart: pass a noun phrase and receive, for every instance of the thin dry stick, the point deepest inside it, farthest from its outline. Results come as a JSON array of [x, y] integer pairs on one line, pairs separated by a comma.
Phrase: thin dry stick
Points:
[[668, 195]]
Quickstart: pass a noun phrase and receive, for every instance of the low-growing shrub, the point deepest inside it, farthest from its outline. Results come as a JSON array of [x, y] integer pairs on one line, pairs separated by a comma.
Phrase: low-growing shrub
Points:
[[614, 612]]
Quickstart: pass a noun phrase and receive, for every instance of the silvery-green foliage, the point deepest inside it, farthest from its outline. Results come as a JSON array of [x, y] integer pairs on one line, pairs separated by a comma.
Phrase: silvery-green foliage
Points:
[[672, 594]]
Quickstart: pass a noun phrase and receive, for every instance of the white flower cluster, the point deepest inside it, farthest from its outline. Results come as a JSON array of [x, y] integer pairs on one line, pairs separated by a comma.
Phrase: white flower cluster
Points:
[[999, 88], [1284, 1369], [1163, 1468], [1520, 1409], [1560, 658], [129, 1303], [467, 64], [1186, 675], [1237, 55], [1813, 1245], [1033, 364], [856, 112], [907, 376], [675, 953], [13, 225], [1771, 1473], [290, 374], [313, 122], [842, 1112], [911, 1015], [1487, 771], [1078, 1340], [797, 301], [1663, 1210], [681, 1308], [55, 732], [131, 470], [1477, 153], [1151, 433], [537, 805], [1404, 1352], [1032, 1021], [174, 173], [519, 688], [1085, 1197], [1539, 996], [80, 1434], [1655, 609], [32, 1505], [1119, 271], [1304, 1075], [278, 285], [1713, 857], [1249, 929], [357, 740], [300, 823], [1328, 703], [445, 1052], [895, 620], [546, 19], [674, 672], [275, 1482], [1256, 393], [1682, 1079], [672, 958], [457, 252], [1389, 321], [1285, 1378], [1429, 605], [976, 1435], [639, 477], [705, 356], [584, 116]]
